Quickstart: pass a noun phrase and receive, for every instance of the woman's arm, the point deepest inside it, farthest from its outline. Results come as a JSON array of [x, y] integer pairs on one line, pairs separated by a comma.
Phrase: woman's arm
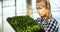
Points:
[[52, 26]]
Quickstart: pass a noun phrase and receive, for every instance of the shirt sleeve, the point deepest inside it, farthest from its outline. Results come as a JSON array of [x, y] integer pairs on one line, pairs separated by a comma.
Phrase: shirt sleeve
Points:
[[52, 26]]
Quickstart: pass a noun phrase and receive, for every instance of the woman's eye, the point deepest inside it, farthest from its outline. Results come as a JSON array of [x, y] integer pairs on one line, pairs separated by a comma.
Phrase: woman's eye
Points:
[[36, 8], [40, 8]]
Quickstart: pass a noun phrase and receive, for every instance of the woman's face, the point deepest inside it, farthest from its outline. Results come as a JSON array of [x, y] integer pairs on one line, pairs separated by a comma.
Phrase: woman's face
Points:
[[41, 8]]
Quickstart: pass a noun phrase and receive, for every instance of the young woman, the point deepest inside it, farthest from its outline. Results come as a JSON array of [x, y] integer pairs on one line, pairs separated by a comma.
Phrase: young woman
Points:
[[47, 21]]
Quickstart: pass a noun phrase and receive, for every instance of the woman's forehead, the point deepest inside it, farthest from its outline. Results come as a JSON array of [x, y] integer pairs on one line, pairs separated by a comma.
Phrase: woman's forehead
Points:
[[41, 4]]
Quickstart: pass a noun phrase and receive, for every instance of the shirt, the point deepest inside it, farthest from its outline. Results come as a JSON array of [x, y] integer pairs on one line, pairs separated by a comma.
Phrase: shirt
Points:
[[50, 26]]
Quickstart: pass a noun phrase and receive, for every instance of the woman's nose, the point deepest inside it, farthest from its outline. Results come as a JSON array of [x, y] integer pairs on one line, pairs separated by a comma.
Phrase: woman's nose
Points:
[[38, 11]]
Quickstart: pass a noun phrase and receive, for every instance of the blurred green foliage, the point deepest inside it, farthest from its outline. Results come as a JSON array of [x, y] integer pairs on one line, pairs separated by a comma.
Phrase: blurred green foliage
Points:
[[24, 24]]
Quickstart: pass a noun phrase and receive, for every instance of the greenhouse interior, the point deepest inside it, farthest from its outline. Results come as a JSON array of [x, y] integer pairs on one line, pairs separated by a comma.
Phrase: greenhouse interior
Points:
[[10, 8]]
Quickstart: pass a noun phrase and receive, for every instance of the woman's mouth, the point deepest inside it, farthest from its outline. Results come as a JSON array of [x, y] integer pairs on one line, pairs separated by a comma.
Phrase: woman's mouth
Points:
[[39, 14]]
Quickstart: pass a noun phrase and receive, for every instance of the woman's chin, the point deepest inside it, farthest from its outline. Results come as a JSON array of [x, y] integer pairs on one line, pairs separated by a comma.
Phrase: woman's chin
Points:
[[41, 15]]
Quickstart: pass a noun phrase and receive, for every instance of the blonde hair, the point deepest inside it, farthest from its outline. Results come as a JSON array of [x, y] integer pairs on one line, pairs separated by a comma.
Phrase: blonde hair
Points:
[[48, 7]]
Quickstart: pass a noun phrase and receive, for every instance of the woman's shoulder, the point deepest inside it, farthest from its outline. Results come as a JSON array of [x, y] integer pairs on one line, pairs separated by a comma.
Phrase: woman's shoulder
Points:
[[38, 19], [53, 20]]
